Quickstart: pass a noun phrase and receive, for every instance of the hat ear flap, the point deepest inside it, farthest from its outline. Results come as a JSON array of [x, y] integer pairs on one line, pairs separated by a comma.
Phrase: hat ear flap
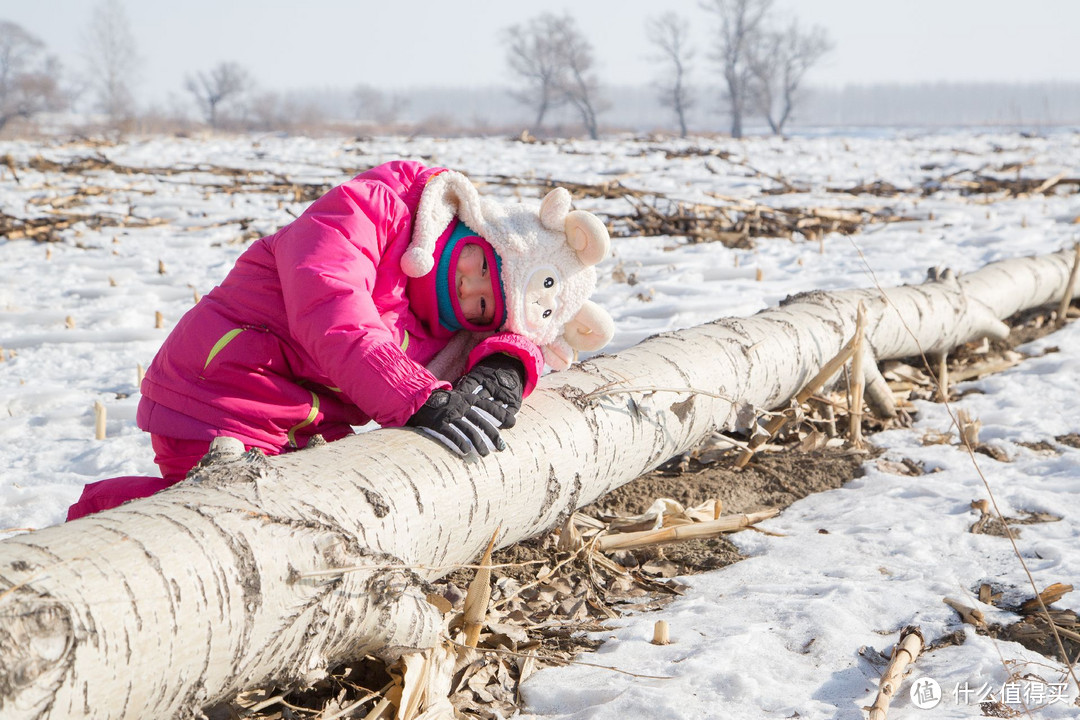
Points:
[[588, 236], [591, 329], [446, 194]]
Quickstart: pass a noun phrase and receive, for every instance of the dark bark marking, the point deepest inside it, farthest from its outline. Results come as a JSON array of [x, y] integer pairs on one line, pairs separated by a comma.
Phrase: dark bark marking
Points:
[[571, 504], [683, 409], [154, 561], [178, 525], [127, 692], [248, 570], [416, 495], [551, 493], [400, 472], [574, 395], [134, 602]]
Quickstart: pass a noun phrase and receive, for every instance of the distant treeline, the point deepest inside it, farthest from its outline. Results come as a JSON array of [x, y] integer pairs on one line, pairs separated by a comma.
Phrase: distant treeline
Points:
[[634, 108]]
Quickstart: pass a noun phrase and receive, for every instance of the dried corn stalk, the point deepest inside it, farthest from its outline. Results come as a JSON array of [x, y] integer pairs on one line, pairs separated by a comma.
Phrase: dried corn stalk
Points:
[[904, 653]]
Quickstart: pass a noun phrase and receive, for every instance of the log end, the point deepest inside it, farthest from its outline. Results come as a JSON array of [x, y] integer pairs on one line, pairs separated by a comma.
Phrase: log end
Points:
[[36, 643]]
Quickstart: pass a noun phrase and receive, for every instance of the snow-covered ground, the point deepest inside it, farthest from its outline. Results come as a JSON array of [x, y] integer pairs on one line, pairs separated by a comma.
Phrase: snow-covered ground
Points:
[[794, 630]]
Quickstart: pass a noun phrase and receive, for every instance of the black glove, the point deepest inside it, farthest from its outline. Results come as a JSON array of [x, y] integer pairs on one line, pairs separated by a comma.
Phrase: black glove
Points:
[[501, 378], [455, 415]]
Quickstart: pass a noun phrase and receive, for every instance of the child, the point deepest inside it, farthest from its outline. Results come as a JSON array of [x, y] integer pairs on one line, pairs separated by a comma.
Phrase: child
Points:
[[383, 291]]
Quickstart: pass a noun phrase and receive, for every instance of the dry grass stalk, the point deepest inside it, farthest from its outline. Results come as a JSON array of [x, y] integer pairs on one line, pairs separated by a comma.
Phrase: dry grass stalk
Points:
[[943, 377], [777, 422], [986, 368], [140, 373], [987, 596], [990, 185], [1049, 183], [426, 681], [159, 320], [905, 652], [570, 539], [1066, 299], [858, 381], [478, 596], [969, 428], [985, 516], [712, 528], [970, 615], [384, 709], [69, 322], [348, 709], [1049, 596], [661, 633], [99, 420]]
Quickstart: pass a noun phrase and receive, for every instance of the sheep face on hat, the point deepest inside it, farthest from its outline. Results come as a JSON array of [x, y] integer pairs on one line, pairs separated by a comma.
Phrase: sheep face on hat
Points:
[[548, 253]]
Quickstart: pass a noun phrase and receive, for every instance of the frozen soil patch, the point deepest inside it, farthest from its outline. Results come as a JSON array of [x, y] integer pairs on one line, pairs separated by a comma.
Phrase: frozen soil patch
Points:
[[773, 480]]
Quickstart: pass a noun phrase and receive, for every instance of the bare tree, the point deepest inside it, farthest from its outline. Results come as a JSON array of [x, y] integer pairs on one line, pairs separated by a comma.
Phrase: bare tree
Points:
[[112, 57], [579, 83], [669, 33], [533, 54], [557, 63], [226, 82], [29, 78], [740, 23], [779, 64]]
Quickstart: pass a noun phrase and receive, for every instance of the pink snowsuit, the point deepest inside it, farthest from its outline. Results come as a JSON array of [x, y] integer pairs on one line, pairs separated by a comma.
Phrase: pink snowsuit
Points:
[[312, 331]]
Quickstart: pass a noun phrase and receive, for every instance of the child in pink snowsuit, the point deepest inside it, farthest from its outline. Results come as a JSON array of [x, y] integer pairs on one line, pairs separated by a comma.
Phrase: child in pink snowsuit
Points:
[[366, 307]]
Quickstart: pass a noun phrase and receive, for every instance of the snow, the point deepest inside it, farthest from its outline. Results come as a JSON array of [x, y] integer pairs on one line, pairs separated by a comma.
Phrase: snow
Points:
[[796, 627]]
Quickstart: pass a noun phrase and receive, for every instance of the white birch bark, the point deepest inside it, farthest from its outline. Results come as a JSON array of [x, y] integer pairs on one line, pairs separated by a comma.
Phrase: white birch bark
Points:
[[165, 605]]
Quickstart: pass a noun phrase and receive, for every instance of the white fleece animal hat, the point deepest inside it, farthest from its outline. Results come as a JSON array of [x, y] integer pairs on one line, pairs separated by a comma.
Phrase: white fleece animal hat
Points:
[[547, 254]]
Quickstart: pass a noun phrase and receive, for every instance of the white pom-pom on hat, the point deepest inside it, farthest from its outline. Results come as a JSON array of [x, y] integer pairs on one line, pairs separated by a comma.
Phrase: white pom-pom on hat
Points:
[[446, 194], [417, 262]]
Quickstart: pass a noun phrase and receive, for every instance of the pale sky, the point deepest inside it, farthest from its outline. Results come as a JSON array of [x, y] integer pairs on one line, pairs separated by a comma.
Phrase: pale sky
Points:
[[412, 43]]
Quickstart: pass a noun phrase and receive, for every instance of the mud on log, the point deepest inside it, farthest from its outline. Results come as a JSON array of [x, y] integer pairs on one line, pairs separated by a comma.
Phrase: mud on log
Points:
[[168, 604]]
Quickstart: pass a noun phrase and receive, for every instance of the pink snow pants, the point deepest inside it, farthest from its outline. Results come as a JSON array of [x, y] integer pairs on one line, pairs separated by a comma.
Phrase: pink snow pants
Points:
[[174, 457]]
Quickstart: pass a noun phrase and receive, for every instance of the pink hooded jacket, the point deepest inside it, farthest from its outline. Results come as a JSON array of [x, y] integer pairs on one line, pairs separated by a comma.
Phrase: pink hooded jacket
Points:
[[312, 330]]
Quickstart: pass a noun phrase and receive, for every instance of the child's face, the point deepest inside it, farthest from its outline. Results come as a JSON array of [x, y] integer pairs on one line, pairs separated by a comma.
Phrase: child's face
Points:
[[475, 294]]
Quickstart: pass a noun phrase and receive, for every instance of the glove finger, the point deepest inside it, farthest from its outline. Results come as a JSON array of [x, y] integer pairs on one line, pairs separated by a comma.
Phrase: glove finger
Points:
[[502, 415], [469, 426], [451, 439], [459, 441], [470, 431], [477, 420]]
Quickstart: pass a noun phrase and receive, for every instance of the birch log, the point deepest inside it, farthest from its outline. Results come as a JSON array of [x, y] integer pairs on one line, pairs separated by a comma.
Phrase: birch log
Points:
[[166, 605]]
